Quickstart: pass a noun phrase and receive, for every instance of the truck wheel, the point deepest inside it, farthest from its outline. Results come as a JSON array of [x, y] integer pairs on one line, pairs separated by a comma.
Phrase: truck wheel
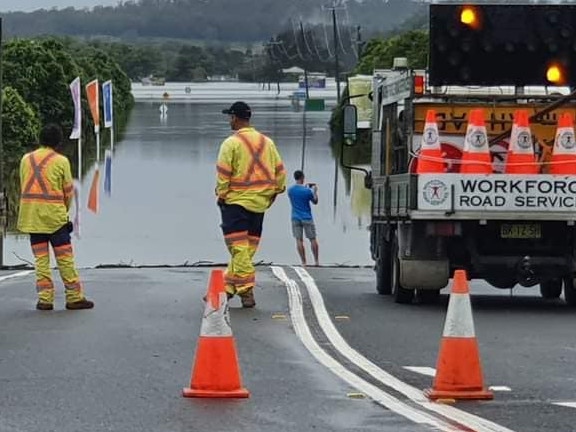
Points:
[[384, 269], [570, 291], [551, 289], [401, 295], [427, 296]]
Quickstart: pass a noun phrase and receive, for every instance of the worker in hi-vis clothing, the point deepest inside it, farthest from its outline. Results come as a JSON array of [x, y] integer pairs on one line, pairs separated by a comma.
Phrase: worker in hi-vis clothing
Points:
[[46, 192], [250, 174]]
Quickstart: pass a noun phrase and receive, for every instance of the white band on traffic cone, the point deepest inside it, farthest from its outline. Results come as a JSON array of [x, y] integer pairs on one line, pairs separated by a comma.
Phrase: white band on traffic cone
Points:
[[521, 141], [476, 140], [565, 143], [459, 322], [430, 139], [216, 322]]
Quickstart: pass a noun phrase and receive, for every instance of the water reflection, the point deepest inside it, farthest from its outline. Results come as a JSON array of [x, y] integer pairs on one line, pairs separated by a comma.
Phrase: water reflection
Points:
[[162, 209]]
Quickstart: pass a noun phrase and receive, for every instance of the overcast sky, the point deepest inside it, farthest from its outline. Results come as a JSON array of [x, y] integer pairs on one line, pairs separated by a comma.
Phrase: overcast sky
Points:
[[30, 5]]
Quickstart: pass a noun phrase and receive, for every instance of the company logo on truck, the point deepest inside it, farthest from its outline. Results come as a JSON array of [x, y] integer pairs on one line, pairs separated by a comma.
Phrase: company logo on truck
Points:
[[435, 192]]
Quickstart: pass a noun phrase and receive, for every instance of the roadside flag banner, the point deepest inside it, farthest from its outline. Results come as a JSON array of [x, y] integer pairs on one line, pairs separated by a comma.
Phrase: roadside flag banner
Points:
[[75, 90], [108, 104], [108, 172], [93, 94], [93, 197]]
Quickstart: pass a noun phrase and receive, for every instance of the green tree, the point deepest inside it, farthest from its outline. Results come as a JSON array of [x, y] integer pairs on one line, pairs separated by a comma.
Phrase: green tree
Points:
[[20, 125], [380, 53]]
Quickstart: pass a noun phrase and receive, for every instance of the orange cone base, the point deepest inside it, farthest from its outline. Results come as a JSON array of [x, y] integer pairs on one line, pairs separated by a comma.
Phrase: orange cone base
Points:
[[566, 165], [216, 372], [459, 394], [241, 393], [521, 164], [476, 163], [432, 165]]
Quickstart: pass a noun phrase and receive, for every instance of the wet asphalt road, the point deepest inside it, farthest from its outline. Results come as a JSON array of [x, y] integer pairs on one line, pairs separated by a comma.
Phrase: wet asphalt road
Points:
[[121, 366]]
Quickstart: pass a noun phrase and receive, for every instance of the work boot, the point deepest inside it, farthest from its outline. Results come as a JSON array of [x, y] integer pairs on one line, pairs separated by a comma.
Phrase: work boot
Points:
[[44, 306], [247, 299], [80, 304]]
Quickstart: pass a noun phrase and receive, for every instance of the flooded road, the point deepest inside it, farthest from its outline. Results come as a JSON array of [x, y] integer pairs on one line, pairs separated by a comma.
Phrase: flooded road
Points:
[[162, 210]]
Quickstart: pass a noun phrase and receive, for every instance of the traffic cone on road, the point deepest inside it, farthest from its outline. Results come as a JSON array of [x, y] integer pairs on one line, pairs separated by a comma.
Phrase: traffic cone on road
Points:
[[520, 158], [430, 158], [563, 159], [458, 369], [476, 155], [216, 372]]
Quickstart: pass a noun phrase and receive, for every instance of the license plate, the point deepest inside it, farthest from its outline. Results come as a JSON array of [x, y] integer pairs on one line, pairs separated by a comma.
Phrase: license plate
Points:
[[520, 231]]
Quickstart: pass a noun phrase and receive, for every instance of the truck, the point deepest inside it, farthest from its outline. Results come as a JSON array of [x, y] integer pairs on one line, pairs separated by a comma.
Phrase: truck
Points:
[[505, 229]]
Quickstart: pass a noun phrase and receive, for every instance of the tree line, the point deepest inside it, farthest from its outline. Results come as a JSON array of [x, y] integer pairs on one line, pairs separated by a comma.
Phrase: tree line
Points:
[[201, 20], [37, 74]]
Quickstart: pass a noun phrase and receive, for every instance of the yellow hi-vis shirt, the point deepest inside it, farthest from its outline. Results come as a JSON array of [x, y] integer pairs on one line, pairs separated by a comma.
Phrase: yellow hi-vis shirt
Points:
[[46, 191], [250, 170]]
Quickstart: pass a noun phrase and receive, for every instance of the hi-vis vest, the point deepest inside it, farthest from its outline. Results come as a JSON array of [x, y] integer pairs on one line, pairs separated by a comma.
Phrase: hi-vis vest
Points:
[[250, 170], [45, 191]]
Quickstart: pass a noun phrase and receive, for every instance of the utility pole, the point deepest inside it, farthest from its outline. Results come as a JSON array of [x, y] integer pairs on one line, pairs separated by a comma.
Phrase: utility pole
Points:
[[304, 127], [305, 68], [3, 201], [336, 62], [359, 43], [269, 49]]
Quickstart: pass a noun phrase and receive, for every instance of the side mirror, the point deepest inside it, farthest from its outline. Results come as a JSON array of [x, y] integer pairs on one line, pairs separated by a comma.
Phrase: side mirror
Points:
[[350, 122]]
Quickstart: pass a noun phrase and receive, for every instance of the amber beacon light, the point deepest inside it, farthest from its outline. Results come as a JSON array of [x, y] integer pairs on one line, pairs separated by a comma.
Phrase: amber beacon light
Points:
[[554, 74], [468, 16]]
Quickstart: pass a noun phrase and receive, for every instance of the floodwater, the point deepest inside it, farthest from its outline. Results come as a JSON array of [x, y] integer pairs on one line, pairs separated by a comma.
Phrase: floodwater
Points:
[[162, 210]]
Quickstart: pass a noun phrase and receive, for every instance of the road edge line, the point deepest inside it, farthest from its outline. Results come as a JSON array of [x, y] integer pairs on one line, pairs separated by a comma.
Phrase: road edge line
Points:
[[378, 395], [472, 421]]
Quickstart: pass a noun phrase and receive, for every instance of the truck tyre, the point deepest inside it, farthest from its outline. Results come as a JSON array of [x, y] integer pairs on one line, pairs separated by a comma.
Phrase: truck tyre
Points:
[[551, 289], [570, 291], [384, 268], [401, 295], [427, 296]]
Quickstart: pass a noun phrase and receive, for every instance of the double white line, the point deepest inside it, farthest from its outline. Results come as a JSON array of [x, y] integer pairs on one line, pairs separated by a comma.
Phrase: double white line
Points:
[[418, 409]]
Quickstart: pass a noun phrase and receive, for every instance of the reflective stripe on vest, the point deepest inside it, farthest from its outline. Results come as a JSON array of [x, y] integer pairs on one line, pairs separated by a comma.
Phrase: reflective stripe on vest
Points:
[[36, 188], [252, 179]]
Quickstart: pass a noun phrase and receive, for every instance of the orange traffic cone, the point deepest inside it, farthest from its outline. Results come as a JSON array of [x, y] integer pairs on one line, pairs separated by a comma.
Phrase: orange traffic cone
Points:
[[458, 370], [564, 153], [93, 198], [521, 159], [216, 373], [476, 155], [430, 157]]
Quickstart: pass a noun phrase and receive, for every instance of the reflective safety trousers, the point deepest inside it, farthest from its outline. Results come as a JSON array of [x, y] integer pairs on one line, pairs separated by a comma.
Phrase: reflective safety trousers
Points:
[[62, 246], [46, 191], [250, 171], [242, 230]]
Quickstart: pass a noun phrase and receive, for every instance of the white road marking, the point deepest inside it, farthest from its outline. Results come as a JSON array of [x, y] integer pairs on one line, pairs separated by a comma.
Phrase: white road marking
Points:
[[379, 396], [500, 388], [566, 404], [471, 421], [16, 275], [428, 371]]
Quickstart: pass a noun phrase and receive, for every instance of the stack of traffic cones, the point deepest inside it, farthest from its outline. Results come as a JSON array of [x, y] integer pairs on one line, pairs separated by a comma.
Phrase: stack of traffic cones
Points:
[[564, 154], [216, 372], [476, 155], [520, 158], [430, 157], [458, 370]]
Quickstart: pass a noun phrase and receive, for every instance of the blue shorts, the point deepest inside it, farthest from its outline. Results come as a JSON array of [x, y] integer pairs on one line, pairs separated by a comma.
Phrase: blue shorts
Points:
[[299, 228]]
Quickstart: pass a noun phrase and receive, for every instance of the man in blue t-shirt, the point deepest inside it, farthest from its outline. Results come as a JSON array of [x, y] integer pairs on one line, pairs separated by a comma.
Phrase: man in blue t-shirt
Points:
[[301, 196]]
